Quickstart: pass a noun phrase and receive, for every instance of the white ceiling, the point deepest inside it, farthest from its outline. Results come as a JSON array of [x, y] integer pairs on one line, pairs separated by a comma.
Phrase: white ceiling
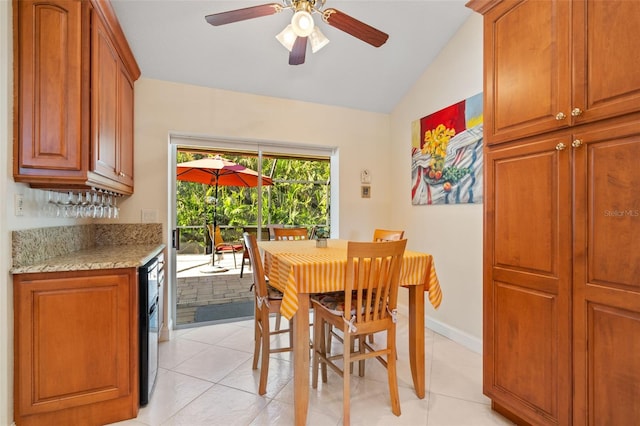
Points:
[[172, 41]]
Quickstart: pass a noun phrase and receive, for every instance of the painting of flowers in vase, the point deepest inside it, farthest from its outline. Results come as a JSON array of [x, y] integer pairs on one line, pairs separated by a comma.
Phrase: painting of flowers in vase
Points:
[[446, 155]]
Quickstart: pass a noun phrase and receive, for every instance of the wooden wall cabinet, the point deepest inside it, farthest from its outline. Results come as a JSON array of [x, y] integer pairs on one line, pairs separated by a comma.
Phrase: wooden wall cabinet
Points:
[[75, 347], [562, 211], [548, 65], [112, 108], [73, 95]]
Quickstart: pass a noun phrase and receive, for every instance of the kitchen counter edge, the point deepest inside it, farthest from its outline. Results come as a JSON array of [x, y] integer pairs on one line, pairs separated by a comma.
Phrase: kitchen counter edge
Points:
[[103, 257]]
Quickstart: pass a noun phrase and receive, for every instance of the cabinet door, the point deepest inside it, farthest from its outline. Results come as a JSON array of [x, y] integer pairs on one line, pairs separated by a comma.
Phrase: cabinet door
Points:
[[125, 129], [75, 347], [527, 301], [606, 59], [49, 86], [104, 97], [607, 276], [527, 68]]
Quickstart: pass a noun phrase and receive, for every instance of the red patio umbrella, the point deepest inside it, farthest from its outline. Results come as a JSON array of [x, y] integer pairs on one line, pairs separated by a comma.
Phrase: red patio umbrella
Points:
[[219, 171]]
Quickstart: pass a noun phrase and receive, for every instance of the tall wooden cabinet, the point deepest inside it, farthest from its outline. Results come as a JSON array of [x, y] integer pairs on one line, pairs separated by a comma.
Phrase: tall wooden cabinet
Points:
[[75, 346], [73, 93], [562, 210]]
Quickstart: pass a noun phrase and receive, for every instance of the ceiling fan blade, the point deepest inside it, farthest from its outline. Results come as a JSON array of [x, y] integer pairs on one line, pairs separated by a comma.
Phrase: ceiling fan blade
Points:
[[243, 14], [356, 28], [296, 57]]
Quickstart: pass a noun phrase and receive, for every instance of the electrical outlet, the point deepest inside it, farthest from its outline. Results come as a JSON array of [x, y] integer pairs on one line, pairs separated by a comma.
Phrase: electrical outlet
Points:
[[19, 204]]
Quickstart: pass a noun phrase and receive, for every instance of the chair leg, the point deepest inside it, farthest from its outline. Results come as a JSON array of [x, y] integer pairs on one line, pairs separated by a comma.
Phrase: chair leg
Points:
[[392, 372], [361, 348], [317, 346], [264, 366], [257, 338], [242, 265], [278, 320], [346, 382]]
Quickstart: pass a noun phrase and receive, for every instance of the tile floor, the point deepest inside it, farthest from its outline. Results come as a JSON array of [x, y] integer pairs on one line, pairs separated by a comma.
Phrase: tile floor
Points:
[[205, 378]]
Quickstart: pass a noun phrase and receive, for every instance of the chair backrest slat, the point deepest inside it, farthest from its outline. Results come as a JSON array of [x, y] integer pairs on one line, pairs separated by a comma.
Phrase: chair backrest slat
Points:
[[291, 233], [387, 235], [259, 281], [373, 272]]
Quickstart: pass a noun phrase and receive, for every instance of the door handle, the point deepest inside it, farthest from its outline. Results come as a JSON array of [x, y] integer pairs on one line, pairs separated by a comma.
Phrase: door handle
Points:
[[175, 239]]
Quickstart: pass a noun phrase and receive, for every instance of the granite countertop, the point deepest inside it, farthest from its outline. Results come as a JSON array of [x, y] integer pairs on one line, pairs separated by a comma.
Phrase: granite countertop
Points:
[[103, 257]]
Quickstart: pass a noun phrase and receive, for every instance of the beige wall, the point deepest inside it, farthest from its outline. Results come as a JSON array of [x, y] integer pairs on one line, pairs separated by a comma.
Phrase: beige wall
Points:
[[451, 233], [361, 139]]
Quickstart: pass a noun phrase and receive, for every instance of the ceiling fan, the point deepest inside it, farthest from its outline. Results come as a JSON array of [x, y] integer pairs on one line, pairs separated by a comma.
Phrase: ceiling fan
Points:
[[302, 28]]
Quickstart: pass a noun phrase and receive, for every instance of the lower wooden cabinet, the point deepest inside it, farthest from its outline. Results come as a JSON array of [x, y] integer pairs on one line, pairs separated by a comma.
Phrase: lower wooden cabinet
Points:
[[562, 276], [606, 275], [75, 347], [527, 282]]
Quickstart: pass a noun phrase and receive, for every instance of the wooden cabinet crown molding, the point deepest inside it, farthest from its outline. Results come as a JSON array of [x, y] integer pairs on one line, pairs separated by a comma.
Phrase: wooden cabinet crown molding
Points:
[[482, 6]]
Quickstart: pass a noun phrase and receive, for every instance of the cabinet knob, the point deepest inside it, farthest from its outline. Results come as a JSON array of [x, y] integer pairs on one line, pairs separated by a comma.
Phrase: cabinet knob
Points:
[[560, 116], [560, 146], [576, 112], [576, 143]]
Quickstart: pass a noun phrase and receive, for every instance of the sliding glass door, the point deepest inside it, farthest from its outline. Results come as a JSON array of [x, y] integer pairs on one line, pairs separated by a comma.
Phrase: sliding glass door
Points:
[[212, 285]]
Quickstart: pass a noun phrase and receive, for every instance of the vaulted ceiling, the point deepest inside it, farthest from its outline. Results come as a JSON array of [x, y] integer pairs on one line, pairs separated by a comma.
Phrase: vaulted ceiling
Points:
[[172, 41]]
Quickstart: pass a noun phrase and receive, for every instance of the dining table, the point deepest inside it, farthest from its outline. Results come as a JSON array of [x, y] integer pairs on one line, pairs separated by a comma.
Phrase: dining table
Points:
[[300, 268]]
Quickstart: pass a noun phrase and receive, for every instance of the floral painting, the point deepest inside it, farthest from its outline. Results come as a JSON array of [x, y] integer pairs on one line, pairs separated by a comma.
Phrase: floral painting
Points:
[[446, 155]]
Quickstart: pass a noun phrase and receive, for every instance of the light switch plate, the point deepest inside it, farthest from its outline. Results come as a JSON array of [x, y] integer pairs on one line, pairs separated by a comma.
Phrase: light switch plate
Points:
[[19, 204], [149, 216]]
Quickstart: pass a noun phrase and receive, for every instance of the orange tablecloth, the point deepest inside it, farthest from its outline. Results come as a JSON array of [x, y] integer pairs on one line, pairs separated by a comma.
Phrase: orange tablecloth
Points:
[[297, 267]]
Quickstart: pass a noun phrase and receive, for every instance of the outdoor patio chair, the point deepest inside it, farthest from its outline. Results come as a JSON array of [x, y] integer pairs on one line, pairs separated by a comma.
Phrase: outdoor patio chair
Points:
[[220, 246]]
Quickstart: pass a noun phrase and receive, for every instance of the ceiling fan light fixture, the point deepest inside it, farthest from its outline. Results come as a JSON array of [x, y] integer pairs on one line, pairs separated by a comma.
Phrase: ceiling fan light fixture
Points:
[[302, 23], [287, 37], [317, 40]]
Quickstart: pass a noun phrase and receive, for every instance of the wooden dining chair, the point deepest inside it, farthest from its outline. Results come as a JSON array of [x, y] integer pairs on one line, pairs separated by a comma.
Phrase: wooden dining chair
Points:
[[291, 234], [267, 302], [368, 305], [379, 235], [387, 235], [264, 236]]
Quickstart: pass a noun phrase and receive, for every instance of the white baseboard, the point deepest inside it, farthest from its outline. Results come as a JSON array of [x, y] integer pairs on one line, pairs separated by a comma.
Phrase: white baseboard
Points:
[[461, 337], [465, 339]]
